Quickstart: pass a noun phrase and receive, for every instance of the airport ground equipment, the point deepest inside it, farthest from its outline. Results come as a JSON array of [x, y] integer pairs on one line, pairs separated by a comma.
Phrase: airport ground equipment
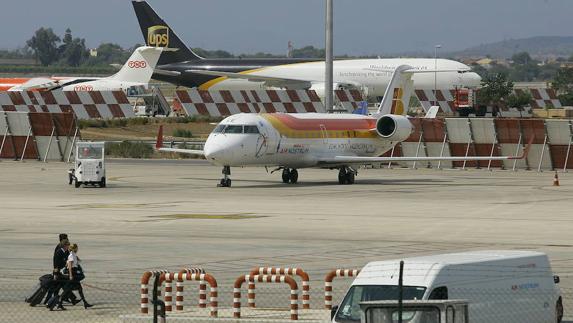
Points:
[[265, 279], [281, 271], [439, 311], [328, 283], [89, 166]]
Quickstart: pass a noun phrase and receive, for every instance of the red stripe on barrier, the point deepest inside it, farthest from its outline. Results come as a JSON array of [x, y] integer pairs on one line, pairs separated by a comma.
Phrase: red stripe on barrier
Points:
[[97, 97], [341, 95], [421, 95], [8, 108], [559, 155], [533, 128], [289, 107], [206, 97], [508, 131], [485, 150], [434, 130], [243, 107], [92, 111], [41, 123], [120, 97], [48, 97], [116, 111], [73, 97], [459, 150], [19, 142], [67, 109], [184, 97], [356, 95], [227, 97], [245, 96], [202, 108], [313, 96], [16, 98], [223, 109], [269, 108], [257, 108], [273, 96], [309, 107], [256, 96], [293, 96]]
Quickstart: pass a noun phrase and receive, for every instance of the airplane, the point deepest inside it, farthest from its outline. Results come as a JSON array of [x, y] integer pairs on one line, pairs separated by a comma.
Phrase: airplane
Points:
[[134, 74], [182, 66], [291, 141]]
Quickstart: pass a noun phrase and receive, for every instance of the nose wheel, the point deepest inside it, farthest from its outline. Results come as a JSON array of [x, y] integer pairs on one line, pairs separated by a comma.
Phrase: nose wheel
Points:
[[290, 175], [225, 181], [346, 175]]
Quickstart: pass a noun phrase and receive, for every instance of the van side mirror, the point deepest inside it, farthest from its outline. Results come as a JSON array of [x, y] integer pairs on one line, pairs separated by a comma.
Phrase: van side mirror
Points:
[[556, 279], [333, 311]]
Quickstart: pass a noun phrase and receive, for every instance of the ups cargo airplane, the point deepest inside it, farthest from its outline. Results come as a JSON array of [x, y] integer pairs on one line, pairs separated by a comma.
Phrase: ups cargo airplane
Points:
[[136, 72], [317, 140], [181, 66]]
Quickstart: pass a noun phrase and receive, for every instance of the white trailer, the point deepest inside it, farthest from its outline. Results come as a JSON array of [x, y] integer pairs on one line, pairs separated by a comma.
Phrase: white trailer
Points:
[[89, 165], [500, 286]]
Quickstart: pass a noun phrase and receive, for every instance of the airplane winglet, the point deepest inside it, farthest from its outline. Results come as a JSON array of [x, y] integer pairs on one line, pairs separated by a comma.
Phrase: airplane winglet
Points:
[[526, 150], [159, 142]]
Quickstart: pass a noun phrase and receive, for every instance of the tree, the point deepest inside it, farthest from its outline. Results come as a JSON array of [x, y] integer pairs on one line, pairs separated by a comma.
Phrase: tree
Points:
[[563, 81], [308, 52], [495, 90], [522, 58], [73, 51], [518, 100], [44, 44]]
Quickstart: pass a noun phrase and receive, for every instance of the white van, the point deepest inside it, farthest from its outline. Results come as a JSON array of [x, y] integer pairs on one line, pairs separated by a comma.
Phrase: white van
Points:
[[500, 286]]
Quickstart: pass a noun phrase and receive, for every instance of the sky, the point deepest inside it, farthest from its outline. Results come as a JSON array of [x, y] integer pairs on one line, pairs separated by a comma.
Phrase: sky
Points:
[[362, 27]]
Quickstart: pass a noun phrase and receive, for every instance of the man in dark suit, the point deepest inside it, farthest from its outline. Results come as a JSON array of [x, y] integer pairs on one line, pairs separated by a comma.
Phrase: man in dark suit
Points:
[[59, 260]]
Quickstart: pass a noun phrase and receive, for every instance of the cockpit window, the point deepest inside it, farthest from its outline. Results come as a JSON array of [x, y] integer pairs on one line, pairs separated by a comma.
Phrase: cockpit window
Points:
[[251, 129], [234, 129], [219, 128]]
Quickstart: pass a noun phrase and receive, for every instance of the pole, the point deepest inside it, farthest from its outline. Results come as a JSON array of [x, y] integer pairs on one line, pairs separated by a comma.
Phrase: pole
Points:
[[436, 73], [49, 144], [329, 48], [158, 305], [401, 292]]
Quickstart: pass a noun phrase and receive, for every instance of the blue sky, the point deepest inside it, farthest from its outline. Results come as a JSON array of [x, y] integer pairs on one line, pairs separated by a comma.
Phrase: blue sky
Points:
[[247, 26]]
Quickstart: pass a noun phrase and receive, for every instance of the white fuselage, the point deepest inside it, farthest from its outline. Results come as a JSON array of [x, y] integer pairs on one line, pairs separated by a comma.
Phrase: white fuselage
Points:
[[276, 143], [370, 75]]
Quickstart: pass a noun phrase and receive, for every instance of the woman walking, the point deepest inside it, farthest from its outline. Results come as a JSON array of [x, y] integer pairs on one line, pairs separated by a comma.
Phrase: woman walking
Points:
[[75, 275]]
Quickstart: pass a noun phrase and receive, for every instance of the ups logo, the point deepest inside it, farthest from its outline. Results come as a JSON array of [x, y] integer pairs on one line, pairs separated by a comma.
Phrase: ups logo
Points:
[[158, 36]]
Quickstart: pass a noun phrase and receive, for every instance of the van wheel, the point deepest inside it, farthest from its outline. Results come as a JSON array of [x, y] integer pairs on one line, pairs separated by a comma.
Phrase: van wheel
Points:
[[70, 179], [102, 182], [77, 184], [559, 310]]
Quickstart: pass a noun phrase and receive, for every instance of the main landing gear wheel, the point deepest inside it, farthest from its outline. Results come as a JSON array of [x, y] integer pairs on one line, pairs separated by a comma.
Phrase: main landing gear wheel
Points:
[[290, 176], [346, 176], [225, 181]]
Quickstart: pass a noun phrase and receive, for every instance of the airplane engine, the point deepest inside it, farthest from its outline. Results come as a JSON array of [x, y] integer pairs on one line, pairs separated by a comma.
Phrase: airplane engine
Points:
[[394, 127]]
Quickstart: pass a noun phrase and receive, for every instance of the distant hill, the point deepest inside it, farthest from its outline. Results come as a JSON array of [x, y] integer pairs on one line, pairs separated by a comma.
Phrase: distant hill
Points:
[[541, 46]]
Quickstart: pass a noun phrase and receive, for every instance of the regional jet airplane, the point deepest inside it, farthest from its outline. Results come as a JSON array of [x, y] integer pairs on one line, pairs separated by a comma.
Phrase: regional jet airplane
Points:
[[182, 66], [316, 140], [135, 73]]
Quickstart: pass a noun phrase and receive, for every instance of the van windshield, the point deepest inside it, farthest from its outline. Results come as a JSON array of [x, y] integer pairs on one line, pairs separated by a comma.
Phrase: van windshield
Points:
[[349, 311]]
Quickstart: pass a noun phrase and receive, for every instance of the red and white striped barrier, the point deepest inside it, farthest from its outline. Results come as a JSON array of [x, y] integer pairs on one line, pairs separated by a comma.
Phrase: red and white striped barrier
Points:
[[195, 274], [348, 99], [84, 105], [144, 301], [225, 103], [284, 272], [444, 99], [542, 98], [179, 278], [266, 279], [328, 283]]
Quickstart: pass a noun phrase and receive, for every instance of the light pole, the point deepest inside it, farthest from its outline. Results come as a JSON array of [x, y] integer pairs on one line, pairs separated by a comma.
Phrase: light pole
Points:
[[436, 73], [328, 64]]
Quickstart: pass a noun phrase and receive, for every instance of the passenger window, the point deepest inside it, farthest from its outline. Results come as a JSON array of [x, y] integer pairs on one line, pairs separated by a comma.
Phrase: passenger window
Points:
[[251, 129], [439, 293], [234, 129]]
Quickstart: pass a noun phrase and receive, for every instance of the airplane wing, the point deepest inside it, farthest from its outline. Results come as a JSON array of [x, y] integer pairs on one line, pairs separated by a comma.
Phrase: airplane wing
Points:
[[159, 146], [354, 160], [268, 80]]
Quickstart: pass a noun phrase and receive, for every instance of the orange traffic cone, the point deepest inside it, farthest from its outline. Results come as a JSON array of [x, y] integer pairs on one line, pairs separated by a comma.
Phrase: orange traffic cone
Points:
[[556, 179]]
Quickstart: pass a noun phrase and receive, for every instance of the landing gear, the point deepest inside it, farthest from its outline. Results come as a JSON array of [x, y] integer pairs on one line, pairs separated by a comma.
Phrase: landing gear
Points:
[[346, 175], [290, 175], [225, 181]]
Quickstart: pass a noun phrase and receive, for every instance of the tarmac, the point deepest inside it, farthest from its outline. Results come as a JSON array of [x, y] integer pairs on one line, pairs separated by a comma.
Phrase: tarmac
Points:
[[166, 214]]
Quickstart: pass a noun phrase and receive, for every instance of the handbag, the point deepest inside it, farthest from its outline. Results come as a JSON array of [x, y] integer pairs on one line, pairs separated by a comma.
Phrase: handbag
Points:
[[79, 273]]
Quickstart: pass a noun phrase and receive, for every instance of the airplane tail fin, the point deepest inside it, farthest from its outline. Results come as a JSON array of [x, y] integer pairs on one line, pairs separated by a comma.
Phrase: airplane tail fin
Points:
[[157, 33], [140, 65], [397, 96]]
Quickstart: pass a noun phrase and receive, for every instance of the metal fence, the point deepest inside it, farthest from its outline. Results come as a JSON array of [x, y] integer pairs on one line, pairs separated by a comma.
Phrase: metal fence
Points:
[[120, 302]]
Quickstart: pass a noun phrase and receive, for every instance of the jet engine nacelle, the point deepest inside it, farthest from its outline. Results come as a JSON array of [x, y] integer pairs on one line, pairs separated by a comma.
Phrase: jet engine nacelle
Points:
[[394, 127]]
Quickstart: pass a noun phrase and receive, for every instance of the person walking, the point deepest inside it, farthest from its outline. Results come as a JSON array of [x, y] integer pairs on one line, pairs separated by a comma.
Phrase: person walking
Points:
[[75, 276], [59, 260]]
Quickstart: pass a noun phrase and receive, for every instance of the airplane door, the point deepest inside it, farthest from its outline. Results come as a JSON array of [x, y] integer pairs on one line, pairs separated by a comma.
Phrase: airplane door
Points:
[[324, 134]]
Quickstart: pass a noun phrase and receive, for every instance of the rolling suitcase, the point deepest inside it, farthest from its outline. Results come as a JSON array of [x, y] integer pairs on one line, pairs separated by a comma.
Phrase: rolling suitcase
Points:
[[37, 295]]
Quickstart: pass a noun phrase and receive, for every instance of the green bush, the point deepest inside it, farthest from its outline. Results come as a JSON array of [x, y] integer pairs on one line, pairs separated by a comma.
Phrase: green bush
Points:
[[128, 149], [182, 133], [137, 121], [92, 123]]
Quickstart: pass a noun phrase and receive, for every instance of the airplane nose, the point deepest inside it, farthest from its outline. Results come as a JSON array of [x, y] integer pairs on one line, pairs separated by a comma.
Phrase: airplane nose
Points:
[[213, 151], [471, 79]]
